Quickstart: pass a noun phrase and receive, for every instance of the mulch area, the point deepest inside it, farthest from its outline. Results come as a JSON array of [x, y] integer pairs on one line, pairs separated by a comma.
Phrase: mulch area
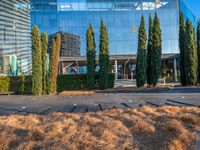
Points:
[[115, 90]]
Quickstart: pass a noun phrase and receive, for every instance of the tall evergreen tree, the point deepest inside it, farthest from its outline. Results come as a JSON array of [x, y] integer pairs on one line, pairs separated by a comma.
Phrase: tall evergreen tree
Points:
[[149, 52], [51, 67], [198, 49], [103, 57], [190, 54], [44, 47], [36, 62], [56, 63], [90, 40], [157, 50], [182, 49], [141, 65]]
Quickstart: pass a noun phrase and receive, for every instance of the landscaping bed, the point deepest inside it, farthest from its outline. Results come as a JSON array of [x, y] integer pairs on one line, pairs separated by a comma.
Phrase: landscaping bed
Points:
[[134, 89], [114, 90], [169, 128], [76, 93]]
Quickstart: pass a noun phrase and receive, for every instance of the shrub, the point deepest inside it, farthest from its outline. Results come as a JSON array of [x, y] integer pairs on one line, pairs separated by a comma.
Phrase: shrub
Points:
[[141, 65], [182, 49], [90, 40], [44, 47], [4, 84], [71, 82], [191, 59], [149, 52], [57, 56], [19, 85], [78, 82], [23, 84], [53, 65], [157, 51], [36, 62], [103, 57], [111, 80]]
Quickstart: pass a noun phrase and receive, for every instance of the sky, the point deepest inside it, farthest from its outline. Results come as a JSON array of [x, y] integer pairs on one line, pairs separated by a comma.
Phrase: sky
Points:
[[194, 5]]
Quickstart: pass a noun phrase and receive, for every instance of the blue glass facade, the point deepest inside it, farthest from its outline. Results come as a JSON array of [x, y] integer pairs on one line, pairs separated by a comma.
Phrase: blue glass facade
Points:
[[122, 18], [188, 13]]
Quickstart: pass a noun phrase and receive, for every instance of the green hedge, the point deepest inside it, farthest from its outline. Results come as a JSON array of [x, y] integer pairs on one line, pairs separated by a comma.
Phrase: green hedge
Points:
[[111, 80], [71, 82], [4, 84], [19, 85], [23, 84], [79, 82]]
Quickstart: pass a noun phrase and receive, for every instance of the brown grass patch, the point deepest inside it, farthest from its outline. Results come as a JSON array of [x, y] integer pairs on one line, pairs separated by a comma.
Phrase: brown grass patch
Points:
[[166, 128], [142, 126], [176, 144], [76, 93], [36, 134]]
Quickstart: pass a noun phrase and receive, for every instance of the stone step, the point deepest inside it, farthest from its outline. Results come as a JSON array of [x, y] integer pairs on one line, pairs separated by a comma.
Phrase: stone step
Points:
[[132, 105], [187, 103], [156, 103], [93, 108], [176, 104], [80, 108]]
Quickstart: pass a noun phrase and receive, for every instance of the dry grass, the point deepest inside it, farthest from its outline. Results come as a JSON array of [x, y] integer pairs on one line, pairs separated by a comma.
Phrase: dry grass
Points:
[[166, 128], [76, 93]]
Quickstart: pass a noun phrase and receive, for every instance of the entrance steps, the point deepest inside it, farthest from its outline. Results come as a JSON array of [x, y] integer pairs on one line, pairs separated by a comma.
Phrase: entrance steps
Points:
[[132, 83], [125, 83]]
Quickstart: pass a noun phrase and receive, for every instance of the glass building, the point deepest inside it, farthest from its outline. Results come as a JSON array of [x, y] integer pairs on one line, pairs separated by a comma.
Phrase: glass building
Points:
[[122, 18], [15, 38]]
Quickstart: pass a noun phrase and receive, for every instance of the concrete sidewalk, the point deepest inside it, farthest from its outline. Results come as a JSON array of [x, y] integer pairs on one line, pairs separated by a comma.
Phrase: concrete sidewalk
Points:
[[17, 104]]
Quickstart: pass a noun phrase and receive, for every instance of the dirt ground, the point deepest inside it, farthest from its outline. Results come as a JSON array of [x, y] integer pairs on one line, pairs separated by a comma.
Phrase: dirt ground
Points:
[[145, 128]]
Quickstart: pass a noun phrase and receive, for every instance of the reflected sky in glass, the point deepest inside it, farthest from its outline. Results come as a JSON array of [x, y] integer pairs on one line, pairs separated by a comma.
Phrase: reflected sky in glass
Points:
[[122, 18]]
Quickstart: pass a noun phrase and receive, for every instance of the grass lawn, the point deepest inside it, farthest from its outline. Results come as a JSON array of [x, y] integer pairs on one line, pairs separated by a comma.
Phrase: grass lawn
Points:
[[145, 128]]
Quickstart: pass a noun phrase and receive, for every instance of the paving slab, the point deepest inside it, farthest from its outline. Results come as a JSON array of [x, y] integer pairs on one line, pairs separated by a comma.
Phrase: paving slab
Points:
[[94, 108], [104, 107], [80, 108], [7, 112]]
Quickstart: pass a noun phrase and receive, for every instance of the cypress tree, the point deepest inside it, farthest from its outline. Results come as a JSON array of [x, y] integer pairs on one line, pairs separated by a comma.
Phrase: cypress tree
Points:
[[56, 62], [141, 65], [157, 50], [44, 47], [182, 50], [198, 49], [190, 54], [51, 67], [90, 40], [103, 57], [149, 52], [36, 62]]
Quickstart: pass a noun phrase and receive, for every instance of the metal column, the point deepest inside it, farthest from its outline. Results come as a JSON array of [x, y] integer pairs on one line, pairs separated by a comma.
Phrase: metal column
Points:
[[116, 70], [175, 70]]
